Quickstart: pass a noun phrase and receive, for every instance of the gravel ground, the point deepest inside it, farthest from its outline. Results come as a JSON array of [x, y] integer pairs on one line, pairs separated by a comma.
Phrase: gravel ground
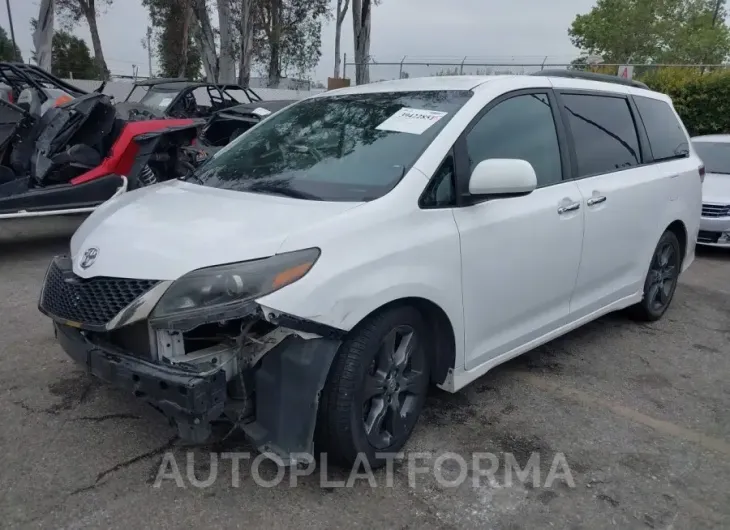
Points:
[[639, 414]]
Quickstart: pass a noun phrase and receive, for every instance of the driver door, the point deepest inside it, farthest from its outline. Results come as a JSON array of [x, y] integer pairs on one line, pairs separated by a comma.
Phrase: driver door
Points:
[[520, 255]]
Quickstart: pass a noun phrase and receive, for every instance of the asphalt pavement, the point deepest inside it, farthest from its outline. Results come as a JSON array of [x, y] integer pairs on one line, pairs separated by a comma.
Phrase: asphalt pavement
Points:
[[633, 421]]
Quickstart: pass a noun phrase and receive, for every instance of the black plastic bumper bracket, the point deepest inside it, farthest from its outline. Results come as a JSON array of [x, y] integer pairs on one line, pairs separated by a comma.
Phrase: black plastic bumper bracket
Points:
[[288, 387]]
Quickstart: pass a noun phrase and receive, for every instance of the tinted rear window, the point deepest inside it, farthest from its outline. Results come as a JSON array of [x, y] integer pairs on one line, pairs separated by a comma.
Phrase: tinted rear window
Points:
[[604, 133], [715, 156], [666, 136]]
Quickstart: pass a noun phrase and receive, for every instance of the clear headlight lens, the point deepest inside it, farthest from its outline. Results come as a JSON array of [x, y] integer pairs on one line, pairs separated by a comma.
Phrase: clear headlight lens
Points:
[[225, 285]]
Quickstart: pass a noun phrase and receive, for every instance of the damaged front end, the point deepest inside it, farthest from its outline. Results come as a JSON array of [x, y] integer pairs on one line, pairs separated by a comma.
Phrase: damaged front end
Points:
[[240, 362]]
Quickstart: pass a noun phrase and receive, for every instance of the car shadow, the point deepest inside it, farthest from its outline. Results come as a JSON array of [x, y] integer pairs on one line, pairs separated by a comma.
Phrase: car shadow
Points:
[[713, 253]]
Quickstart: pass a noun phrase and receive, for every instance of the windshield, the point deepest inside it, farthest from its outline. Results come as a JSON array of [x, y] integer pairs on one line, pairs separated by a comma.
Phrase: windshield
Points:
[[158, 99], [715, 156], [334, 148]]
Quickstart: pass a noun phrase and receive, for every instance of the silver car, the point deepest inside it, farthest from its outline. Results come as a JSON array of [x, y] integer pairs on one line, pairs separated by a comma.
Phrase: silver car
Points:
[[714, 150]]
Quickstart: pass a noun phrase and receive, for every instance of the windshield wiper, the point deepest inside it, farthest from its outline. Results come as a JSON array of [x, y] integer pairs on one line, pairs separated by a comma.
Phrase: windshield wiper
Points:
[[283, 191]]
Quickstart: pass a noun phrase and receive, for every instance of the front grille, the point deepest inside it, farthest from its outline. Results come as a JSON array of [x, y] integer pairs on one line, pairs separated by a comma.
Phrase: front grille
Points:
[[91, 302], [705, 236], [716, 210]]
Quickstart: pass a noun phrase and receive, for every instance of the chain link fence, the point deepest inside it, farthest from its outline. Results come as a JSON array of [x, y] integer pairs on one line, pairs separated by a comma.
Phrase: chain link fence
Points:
[[425, 67]]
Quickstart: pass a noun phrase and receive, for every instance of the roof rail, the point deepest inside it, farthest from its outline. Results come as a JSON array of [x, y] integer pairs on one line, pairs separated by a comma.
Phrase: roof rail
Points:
[[591, 76]]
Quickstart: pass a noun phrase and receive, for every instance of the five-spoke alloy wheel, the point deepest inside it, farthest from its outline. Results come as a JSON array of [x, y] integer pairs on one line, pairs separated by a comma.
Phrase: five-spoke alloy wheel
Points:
[[392, 387], [376, 388], [661, 280]]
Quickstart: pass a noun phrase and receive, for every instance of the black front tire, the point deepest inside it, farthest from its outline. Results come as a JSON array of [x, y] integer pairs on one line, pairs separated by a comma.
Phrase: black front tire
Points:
[[661, 280], [369, 392]]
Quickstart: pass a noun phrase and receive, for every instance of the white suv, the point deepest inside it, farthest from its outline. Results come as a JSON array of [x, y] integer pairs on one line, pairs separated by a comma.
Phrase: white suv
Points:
[[311, 280]]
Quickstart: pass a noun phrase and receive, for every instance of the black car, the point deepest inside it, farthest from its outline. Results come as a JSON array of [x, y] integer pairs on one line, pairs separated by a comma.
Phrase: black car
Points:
[[180, 98]]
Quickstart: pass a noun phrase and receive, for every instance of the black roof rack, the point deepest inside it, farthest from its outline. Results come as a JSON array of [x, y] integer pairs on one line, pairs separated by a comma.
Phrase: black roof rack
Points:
[[591, 76]]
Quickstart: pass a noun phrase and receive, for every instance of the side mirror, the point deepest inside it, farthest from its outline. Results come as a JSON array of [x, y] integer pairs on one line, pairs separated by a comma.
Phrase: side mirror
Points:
[[502, 176]]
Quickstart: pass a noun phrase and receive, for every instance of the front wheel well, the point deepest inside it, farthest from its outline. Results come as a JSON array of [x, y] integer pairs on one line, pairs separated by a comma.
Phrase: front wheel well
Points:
[[442, 353], [678, 229]]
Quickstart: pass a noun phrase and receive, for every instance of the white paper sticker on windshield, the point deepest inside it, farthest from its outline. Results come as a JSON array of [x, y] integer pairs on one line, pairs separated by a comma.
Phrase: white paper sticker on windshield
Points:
[[260, 112], [164, 102], [413, 121]]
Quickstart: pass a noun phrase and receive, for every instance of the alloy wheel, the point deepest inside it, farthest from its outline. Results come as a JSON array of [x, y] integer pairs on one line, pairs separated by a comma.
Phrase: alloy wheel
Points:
[[393, 386], [663, 275]]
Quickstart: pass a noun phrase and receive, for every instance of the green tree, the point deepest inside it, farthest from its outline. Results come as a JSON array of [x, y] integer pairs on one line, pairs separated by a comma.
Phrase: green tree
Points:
[[653, 31], [170, 19], [72, 11], [6, 48], [71, 57], [288, 36]]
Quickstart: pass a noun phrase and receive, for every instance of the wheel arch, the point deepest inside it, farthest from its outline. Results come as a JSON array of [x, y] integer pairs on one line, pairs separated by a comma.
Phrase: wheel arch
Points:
[[678, 228], [441, 330]]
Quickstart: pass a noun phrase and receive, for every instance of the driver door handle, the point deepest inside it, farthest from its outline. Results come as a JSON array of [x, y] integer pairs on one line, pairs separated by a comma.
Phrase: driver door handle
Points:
[[568, 208], [595, 200]]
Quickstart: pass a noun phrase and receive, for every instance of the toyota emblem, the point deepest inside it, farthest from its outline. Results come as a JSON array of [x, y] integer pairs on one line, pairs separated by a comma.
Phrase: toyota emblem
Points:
[[89, 257]]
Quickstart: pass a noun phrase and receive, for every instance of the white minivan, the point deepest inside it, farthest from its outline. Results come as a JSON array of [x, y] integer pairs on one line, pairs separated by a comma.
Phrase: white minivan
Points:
[[314, 278]]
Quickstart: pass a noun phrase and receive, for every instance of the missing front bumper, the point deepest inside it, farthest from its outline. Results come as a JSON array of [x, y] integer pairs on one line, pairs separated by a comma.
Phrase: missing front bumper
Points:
[[287, 383], [192, 401]]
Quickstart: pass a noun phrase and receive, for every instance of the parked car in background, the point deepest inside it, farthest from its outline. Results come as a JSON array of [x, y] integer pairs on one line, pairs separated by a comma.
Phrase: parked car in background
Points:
[[311, 280], [33, 89], [181, 98], [226, 125], [80, 154], [714, 150]]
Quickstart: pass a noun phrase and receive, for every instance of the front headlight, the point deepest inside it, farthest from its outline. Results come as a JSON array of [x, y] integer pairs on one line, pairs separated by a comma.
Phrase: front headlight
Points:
[[227, 285]]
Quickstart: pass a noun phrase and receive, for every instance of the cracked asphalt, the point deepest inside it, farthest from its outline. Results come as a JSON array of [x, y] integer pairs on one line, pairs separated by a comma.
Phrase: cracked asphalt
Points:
[[641, 413]]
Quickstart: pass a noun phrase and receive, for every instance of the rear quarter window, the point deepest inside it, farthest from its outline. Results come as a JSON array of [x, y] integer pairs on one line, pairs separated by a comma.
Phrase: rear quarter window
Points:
[[604, 133], [667, 139]]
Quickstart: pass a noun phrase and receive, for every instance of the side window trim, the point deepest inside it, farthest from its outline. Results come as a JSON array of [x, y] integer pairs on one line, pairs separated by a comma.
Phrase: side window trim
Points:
[[422, 203], [461, 154], [647, 157], [635, 116]]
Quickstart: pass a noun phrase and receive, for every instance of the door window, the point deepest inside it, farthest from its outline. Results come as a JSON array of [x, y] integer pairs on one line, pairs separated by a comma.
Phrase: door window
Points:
[[521, 127], [604, 133]]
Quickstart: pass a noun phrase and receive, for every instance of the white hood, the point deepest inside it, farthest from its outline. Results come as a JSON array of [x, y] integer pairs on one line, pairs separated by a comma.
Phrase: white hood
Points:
[[716, 189], [165, 231]]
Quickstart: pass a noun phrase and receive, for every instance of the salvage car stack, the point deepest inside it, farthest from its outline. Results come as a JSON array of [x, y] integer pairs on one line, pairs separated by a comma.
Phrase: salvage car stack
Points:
[[64, 151]]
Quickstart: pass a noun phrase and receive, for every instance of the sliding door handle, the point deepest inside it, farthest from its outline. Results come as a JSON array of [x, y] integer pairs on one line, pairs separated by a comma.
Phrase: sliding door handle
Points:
[[569, 208], [595, 200]]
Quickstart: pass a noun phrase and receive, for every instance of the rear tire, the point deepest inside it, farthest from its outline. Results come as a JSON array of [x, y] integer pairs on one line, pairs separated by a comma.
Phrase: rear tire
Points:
[[375, 389], [661, 280]]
